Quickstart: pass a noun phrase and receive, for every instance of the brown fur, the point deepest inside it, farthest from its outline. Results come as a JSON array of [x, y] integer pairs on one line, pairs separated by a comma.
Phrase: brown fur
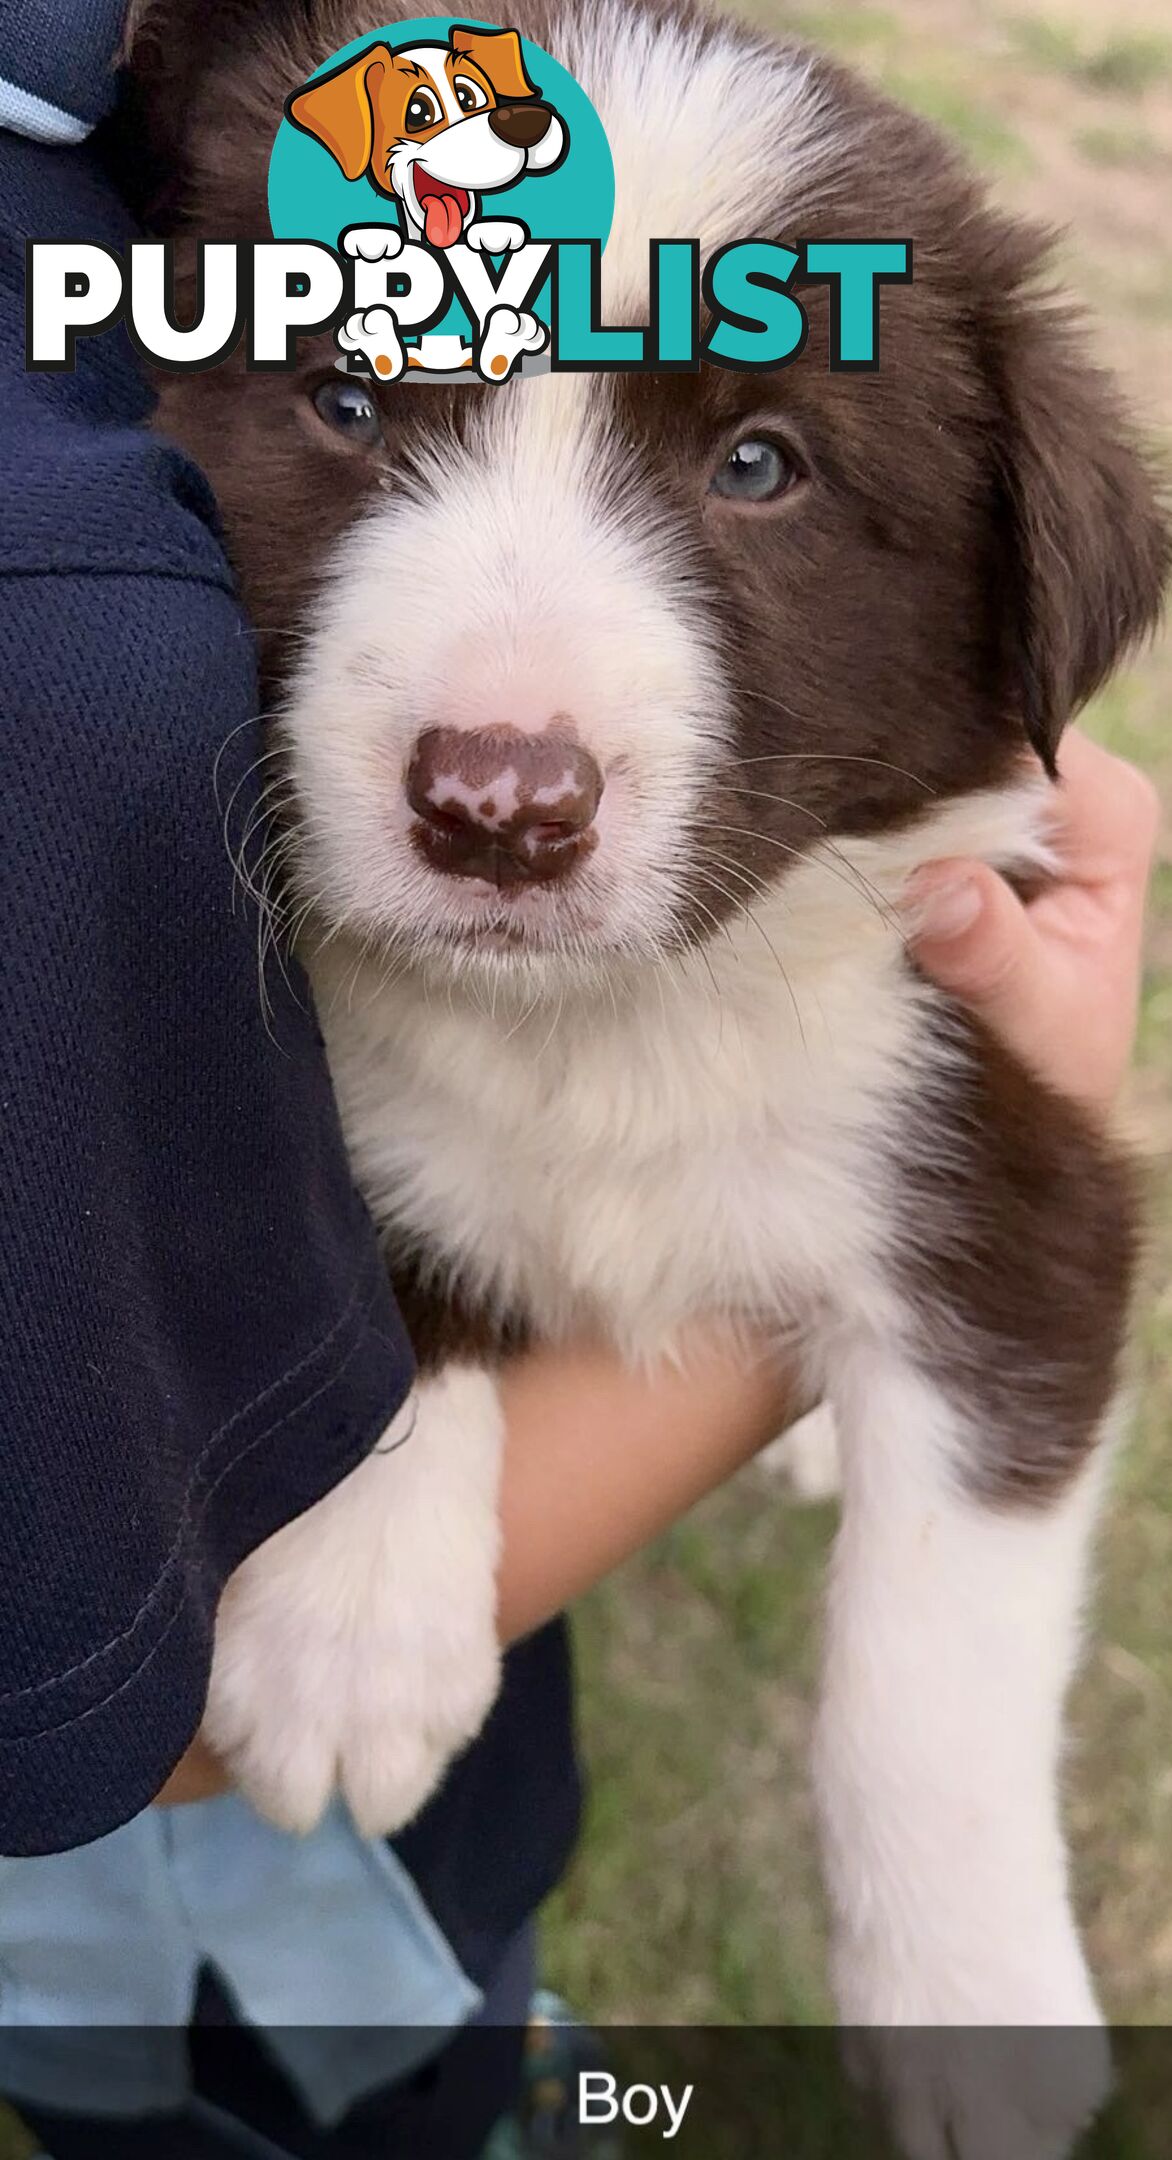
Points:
[[1018, 1226]]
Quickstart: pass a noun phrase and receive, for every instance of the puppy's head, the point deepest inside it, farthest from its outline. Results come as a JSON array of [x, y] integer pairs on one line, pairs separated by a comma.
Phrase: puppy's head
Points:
[[434, 125], [582, 665]]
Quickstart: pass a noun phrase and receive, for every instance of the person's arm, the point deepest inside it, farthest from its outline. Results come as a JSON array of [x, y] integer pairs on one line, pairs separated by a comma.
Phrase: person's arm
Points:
[[600, 1460]]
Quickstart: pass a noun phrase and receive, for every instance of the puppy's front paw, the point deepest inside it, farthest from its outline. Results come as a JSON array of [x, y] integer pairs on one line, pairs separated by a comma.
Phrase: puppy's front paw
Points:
[[356, 1651], [992, 2094]]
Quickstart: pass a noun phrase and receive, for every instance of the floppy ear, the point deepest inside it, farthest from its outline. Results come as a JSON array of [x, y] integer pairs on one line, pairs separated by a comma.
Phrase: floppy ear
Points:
[[1089, 546], [337, 109], [498, 55]]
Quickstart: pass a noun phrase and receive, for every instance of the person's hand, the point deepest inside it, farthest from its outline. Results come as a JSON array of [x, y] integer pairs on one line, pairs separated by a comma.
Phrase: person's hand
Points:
[[1057, 977]]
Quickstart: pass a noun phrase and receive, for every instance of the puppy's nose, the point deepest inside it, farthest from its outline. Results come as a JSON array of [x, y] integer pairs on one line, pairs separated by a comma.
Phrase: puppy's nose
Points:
[[520, 125], [500, 804]]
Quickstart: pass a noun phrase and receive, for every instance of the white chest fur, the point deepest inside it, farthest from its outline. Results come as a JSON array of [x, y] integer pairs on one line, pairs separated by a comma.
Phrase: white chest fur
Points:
[[714, 1139]]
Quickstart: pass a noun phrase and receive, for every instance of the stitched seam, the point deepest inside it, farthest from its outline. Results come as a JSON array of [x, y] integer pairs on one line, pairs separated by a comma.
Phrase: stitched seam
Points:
[[46, 1732], [255, 1402]]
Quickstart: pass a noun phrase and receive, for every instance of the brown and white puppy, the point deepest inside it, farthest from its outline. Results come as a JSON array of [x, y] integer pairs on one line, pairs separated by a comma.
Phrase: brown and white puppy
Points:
[[435, 127], [596, 843]]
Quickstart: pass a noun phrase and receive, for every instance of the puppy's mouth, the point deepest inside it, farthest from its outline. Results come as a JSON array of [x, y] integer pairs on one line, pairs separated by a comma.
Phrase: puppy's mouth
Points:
[[444, 208]]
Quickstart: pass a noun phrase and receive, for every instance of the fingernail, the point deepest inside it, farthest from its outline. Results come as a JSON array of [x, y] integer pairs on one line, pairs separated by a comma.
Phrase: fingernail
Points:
[[945, 910]]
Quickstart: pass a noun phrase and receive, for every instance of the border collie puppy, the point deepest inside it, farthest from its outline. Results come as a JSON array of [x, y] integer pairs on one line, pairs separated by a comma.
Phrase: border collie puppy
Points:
[[613, 714]]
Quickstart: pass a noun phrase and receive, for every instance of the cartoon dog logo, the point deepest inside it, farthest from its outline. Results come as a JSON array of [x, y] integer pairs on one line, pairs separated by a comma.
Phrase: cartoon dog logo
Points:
[[435, 127]]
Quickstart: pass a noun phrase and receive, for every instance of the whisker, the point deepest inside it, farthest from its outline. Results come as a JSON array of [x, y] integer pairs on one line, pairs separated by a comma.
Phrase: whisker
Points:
[[751, 917], [851, 868], [848, 874], [831, 757]]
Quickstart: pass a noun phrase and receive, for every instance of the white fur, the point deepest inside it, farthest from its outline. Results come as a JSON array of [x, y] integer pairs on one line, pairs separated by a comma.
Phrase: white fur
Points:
[[951, 1634], [356, 1650], [605, 1132], [807, 1457], [697, 128], [519, 593]]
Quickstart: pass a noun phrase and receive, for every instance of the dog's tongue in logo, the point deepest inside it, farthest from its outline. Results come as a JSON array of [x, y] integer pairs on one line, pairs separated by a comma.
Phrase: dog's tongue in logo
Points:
[[444, 209]]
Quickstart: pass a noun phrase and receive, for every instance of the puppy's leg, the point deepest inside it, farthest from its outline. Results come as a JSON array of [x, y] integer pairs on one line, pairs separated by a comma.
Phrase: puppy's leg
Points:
[[952, 1631], [971, 1437], [356, 1650]]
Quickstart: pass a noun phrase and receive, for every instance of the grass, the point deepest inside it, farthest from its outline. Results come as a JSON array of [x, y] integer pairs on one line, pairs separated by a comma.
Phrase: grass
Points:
[[1123, 64], [1119, 146], [695, 1897]]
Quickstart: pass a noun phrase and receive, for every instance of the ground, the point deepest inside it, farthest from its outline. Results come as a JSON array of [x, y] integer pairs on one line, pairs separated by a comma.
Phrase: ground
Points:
[[695, 1896]]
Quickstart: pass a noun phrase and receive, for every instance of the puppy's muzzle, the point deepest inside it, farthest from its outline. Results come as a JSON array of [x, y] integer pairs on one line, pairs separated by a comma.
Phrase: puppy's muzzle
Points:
[[502, 805], [521, 126]]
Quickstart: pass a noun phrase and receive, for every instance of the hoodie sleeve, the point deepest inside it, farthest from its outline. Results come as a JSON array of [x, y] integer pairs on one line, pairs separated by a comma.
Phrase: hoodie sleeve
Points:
[[197, 1337]]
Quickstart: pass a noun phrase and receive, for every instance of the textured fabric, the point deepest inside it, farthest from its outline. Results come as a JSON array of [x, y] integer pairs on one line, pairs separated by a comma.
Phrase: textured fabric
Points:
[[196, 1335], [247, 2110], [35, 117], [60, 53], [322, 1943]]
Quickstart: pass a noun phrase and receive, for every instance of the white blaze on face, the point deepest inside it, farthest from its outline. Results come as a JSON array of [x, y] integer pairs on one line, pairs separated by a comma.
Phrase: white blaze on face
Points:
[[520, 577], [707, 131]]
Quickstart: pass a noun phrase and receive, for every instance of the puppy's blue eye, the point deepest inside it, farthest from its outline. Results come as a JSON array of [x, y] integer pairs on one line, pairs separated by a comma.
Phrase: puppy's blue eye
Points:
[[755, 471], [349, 409]]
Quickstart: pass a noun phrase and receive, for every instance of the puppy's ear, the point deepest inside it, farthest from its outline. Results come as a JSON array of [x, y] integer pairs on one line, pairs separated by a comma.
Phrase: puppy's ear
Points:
[[1088, 545], [497, 53], [338, 110]]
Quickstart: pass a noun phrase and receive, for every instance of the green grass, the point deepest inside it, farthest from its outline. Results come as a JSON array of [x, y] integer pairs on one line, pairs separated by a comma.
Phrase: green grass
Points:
[[1123, 64], [1127, 146], [936, 80], [972, 120]]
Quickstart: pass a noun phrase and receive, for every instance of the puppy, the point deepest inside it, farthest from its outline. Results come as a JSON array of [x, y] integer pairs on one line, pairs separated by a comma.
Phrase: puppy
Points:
[[436, 127], [614, 714]]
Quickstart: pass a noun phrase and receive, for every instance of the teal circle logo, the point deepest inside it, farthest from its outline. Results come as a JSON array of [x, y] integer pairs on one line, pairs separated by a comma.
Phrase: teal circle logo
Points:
[[452, 135]]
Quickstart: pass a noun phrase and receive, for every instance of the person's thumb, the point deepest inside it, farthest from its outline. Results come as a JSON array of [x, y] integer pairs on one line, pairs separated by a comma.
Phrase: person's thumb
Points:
[[971, 934]]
